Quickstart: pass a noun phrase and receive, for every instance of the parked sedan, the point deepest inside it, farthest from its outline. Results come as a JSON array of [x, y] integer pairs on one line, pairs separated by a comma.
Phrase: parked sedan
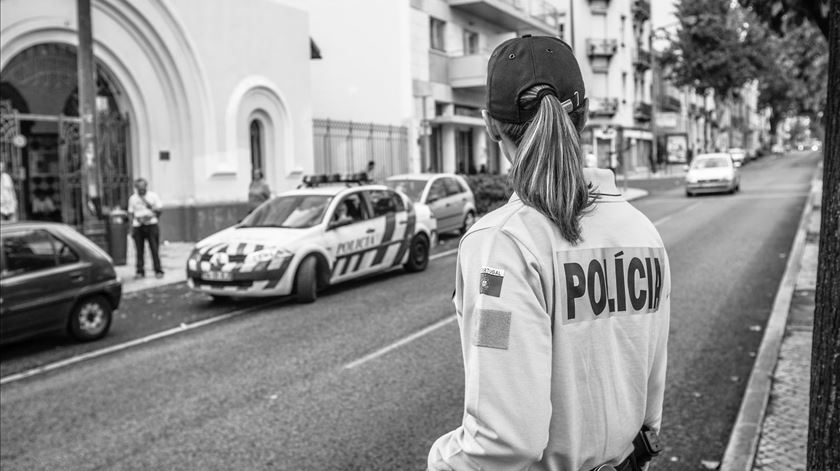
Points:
[[54, 279], [711, 173], [448, 195]]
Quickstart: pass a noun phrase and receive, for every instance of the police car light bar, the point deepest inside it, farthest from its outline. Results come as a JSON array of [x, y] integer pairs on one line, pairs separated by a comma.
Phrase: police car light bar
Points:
[[320, 179]]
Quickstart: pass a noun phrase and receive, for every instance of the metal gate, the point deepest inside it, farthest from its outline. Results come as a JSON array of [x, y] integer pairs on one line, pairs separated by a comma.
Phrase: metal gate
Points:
[[347, 147], [50, 162]]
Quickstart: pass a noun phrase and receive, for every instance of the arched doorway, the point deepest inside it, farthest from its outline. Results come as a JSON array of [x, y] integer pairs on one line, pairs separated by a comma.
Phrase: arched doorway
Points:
[[39, 136]]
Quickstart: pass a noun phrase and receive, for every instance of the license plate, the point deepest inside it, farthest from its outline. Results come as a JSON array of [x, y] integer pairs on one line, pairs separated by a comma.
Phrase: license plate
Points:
[[216, 275]]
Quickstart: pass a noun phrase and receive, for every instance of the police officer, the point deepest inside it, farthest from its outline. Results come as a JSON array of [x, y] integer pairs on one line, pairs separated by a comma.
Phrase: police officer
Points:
[[562, 295]]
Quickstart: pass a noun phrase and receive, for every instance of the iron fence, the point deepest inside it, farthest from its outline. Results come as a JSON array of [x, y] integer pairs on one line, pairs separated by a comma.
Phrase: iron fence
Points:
[[347, 147]]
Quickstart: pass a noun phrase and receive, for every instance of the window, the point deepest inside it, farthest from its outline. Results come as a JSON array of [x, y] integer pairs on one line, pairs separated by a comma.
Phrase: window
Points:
[[385, 202], [35, 250], [470, 43], [293, 211], [349, 210], [256, 132], [437, 191], [436, 34], [452, 187]]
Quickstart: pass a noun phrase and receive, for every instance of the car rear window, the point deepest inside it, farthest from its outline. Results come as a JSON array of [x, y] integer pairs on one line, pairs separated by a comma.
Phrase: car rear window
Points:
[[292, 211], [713, 162]]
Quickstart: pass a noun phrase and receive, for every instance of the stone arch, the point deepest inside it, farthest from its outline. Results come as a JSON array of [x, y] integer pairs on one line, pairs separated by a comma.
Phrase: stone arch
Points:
[[128, 38], [258, 98]]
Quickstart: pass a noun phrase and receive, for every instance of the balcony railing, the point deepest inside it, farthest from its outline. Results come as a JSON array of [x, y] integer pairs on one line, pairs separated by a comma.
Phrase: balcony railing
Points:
[[641, 59], [514, 15], [469, 71], [669, 103], [642, 111], [641, 10], [603, 106], [601, 47]]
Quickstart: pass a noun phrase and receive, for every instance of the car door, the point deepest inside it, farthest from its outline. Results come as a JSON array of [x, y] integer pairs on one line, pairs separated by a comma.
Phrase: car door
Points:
[[456, 196], [441, 204], [349, 240], [389, 209], [39, 282]]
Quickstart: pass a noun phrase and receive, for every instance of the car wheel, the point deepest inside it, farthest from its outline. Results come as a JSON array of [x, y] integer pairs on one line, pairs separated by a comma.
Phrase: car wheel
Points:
[[218, 298], [91, 318], [418, 254], [469, 220], [688, 193], [306, 280]]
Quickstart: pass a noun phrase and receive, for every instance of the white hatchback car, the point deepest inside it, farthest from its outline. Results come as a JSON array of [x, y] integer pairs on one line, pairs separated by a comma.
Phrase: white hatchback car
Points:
[[307, 239], [710, 173], [447, 195]]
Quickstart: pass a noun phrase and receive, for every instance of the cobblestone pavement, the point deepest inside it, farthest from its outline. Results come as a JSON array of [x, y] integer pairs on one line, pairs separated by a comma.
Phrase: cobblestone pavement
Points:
[[783, 442]]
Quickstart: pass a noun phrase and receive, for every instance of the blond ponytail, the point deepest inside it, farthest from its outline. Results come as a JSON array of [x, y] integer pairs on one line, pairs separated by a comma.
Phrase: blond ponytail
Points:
[[547, 171]]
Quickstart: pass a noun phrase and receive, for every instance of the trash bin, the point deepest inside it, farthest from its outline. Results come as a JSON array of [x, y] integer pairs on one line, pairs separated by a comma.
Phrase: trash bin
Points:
[[117, 232]]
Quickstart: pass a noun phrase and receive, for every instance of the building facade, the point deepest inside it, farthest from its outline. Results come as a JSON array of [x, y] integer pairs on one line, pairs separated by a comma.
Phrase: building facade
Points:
[[418, 66], [186, 98], [612, 40]]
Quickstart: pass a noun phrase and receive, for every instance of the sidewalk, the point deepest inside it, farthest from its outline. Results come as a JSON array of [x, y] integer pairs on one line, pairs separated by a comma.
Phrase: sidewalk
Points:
[[771, 431], [173, 259]]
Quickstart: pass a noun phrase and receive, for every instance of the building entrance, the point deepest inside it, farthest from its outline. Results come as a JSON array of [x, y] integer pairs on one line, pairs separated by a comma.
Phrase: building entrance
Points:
[[39, 135]]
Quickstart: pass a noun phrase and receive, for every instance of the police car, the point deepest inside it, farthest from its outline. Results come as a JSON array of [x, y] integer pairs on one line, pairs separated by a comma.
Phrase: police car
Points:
[[329, 230]]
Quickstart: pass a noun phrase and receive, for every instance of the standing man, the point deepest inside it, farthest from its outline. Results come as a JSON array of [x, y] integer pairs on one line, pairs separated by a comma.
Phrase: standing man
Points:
[[8, 198], [144, 207]]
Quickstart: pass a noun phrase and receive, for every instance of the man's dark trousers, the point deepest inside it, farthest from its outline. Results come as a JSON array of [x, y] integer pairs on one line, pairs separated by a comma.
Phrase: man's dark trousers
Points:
[[151, 233]]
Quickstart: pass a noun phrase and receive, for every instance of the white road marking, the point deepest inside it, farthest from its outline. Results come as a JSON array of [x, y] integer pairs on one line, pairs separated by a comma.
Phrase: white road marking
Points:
[[122, 346], [443, 254], [687, 208], [400, 343], [166, 333]]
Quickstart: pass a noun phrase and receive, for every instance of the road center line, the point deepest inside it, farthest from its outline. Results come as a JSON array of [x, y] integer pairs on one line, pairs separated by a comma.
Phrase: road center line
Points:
[[400, 343], [679, 211], [122, 346]]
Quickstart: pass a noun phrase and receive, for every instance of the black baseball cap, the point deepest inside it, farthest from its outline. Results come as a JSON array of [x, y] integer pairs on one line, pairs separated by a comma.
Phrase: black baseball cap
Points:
[[520, 63]]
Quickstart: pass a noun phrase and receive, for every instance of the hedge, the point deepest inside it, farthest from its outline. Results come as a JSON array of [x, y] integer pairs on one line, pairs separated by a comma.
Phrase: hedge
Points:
[[490, 191]]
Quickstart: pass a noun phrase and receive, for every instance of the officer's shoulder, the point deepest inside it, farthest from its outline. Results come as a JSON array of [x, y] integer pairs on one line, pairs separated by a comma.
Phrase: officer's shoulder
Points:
[[514, 220]]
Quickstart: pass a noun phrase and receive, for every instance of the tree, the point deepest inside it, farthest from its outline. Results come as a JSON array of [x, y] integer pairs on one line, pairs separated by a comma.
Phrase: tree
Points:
[[824, 409], [712, 48]]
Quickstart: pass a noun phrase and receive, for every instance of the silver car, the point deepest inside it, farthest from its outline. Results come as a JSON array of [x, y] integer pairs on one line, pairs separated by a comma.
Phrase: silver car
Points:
[[712, 173], [447, 195]]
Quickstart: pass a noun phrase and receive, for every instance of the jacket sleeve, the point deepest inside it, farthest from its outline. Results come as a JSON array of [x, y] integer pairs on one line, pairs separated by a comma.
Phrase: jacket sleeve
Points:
[[507, 348], [656, 380]]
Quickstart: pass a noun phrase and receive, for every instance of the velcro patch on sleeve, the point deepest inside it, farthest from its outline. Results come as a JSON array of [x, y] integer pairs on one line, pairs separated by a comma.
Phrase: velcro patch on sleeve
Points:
[[493, 329], [490, 281]]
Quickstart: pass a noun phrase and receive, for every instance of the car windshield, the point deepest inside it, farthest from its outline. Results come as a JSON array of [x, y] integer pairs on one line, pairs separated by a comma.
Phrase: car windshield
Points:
[[711, 162], [293, 211], [412, 188]]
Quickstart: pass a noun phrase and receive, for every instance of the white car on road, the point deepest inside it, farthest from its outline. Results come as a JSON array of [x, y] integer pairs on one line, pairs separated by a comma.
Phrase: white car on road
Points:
[[307, 239], [711, 173], [447, 195]]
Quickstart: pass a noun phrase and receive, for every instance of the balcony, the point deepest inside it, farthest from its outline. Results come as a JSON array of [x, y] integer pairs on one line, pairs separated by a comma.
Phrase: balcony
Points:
[[468, 71], [599, 6], [601, 47], [641, 10], [604, 107], [669, 103], [641, 59], [514, 15], [642, 110]]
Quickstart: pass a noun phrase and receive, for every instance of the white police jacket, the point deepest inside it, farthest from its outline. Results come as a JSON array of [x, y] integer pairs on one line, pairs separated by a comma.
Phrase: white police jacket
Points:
[[564, 345]]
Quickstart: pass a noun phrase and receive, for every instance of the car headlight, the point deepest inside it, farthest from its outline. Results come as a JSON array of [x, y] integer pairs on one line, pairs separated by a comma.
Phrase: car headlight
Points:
[[265, 256]]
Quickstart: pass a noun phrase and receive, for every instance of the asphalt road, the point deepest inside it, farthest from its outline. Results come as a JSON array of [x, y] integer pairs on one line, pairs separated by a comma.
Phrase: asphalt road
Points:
[[369, 375]]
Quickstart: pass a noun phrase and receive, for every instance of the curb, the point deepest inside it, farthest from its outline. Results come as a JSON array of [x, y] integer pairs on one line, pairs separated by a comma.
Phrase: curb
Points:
[[743, 441]]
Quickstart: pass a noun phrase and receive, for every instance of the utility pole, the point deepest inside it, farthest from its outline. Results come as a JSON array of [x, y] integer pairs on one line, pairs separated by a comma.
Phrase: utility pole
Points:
[[87, 112]]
